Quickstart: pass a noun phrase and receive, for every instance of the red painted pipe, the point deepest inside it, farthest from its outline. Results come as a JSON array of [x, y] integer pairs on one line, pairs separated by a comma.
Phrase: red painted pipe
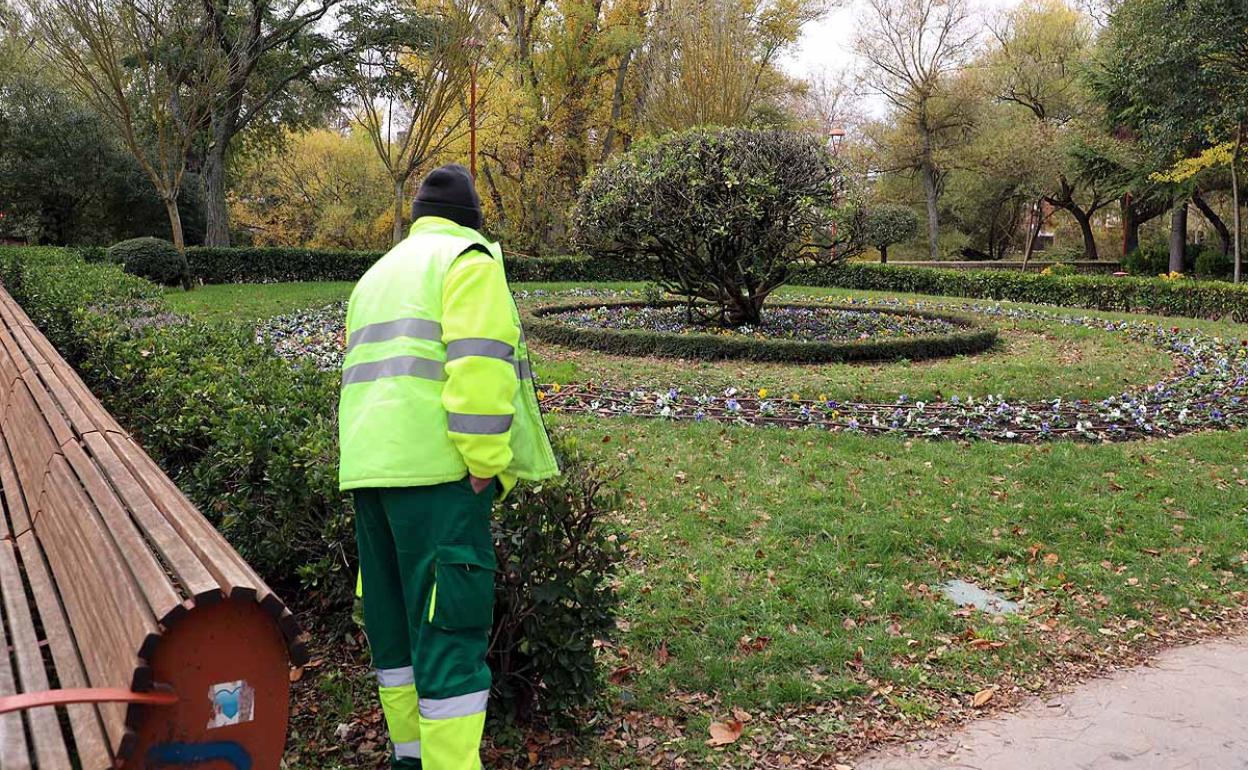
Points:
[[29, 700]]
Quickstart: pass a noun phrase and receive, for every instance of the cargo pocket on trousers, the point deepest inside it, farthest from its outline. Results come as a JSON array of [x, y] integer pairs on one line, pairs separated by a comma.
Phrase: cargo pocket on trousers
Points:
[[463, 588]]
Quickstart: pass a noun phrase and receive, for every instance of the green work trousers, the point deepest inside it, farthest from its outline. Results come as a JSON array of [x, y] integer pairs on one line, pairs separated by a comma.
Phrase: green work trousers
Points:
[[427, 569]]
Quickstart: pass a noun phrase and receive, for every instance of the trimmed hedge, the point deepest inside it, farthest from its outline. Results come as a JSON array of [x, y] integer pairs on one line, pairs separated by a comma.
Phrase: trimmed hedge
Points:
[[974, 338], [252, 440], [276, 265], [1158, 296], [1193, 299]]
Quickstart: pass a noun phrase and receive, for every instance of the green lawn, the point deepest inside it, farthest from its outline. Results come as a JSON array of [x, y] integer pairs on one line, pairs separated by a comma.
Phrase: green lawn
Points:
[[792, 574], [826, 544], [252, 302]]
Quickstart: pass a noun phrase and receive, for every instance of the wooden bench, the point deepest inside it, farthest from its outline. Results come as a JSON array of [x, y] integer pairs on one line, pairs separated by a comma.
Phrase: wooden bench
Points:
[[134, 635]]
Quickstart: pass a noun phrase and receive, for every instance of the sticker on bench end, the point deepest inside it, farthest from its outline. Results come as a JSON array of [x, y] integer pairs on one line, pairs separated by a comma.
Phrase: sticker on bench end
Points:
[[232, 703]]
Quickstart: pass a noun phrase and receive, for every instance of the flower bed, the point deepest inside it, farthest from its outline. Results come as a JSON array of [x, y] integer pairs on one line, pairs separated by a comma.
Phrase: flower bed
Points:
[[791, 333], [1208, 389]]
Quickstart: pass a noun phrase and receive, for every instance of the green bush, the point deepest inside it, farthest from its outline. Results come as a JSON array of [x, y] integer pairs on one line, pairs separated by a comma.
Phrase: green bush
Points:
[[155, 259], [277, 265], [253, 442], [1192, 299], [1213, 265], [1150, 259], [554, 597], [974, 337], [888, 224], [1059, 268], [724, 214]]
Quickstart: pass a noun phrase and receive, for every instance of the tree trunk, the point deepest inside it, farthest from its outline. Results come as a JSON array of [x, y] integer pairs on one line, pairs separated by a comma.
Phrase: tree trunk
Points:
[[1178, 236], [216, 209], [175, 229], [398, 213], [1033, 231], [1215, 221], [617, 104], [1130, 227], [884, 255], [1085, 227], [933, 216]]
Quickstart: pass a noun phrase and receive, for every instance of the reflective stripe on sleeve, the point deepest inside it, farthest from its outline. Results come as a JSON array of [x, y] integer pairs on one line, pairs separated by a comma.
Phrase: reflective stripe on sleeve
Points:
[[524, 370], [420, 328], [395, 677], [407, 750], [479, 346], [452, 708], [478, 424], [397, 366]]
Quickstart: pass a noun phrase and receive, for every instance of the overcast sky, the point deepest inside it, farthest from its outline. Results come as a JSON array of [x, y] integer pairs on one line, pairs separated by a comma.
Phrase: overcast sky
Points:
[[828, 44]]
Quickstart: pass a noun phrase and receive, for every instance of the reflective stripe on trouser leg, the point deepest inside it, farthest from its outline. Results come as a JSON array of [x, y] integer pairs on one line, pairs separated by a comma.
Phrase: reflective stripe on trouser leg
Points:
[[452, 729], [400, 704]]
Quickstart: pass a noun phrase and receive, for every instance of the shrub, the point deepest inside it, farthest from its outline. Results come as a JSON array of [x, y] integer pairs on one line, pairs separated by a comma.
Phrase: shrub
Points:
[[1192, 299], [1213, 265], [888, 224], [1059, 268], [1150, 259], [973, 337], [253, 442], [554, 598], [279, 264], [725, 214], [155, 259]]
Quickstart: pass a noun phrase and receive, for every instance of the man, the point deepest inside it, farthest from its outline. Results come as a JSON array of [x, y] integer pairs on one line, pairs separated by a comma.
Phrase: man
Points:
[[437, 415]]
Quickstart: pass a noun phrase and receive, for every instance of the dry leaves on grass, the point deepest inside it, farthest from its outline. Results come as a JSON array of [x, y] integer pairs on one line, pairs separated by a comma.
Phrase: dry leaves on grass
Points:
[[725, 733]]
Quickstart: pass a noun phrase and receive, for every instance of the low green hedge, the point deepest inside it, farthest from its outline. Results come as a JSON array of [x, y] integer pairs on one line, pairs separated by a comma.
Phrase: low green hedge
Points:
[[252, 441], [1194, 299], [1158, 296], [973, 337], [276, 265]]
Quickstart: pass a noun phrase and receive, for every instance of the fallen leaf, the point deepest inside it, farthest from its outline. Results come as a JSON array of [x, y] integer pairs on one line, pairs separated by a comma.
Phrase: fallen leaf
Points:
[[621, 674], [296, 674], [662, 656], [725, 733], [982, 697]]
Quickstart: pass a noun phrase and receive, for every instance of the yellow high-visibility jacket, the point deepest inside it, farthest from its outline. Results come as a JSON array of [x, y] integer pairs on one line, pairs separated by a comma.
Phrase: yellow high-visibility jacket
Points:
[[436, 381]]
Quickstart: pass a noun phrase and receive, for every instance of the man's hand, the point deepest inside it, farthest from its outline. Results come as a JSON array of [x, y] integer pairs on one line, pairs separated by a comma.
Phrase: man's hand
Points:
[[478, 484]]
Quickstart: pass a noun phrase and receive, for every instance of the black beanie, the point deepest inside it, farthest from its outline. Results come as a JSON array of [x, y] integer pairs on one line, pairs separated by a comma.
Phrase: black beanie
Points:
[[448, 192]]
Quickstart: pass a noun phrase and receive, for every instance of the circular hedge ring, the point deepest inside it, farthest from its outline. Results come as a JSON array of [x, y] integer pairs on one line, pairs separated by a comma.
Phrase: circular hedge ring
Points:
[[969, 336]]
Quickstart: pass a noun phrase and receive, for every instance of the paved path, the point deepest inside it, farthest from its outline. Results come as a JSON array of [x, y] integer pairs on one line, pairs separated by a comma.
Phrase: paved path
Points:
[[1186, 710]]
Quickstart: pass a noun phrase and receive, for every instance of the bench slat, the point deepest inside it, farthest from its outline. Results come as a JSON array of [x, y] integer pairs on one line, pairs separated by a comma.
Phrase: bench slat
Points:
[[148, 573], [34, 443], [13, 751], [106, 609], [195, 578], [235, 576], [84, 719]]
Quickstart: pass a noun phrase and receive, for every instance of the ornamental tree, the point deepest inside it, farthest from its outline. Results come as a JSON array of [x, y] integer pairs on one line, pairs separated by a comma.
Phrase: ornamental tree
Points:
[[723, 214], [888, 224]]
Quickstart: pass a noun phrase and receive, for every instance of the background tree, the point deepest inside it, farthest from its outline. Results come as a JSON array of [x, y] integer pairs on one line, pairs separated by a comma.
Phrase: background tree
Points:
[[714, 63], [913, 48], [407, 74], [888, 224], [725, 214], [321, 188], [269, 50], [146, 67], [1171, 76]]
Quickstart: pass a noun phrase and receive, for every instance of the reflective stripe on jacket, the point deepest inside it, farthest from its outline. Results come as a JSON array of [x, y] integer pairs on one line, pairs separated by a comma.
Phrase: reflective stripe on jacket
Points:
[[431, 382]]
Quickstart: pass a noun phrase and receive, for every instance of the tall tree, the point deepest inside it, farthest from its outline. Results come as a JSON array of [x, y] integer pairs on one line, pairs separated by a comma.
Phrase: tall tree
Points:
[[408, 74], [146, 67], [1173, 77], [268, 48], [714, 63], [914, 47]]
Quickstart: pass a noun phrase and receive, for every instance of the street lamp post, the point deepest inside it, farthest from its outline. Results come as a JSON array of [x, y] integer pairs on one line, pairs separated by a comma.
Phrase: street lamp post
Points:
[[835, 137]]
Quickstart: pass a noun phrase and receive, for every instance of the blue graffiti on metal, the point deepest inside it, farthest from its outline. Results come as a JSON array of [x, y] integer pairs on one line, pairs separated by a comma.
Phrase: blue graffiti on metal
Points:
[[195, 753]]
